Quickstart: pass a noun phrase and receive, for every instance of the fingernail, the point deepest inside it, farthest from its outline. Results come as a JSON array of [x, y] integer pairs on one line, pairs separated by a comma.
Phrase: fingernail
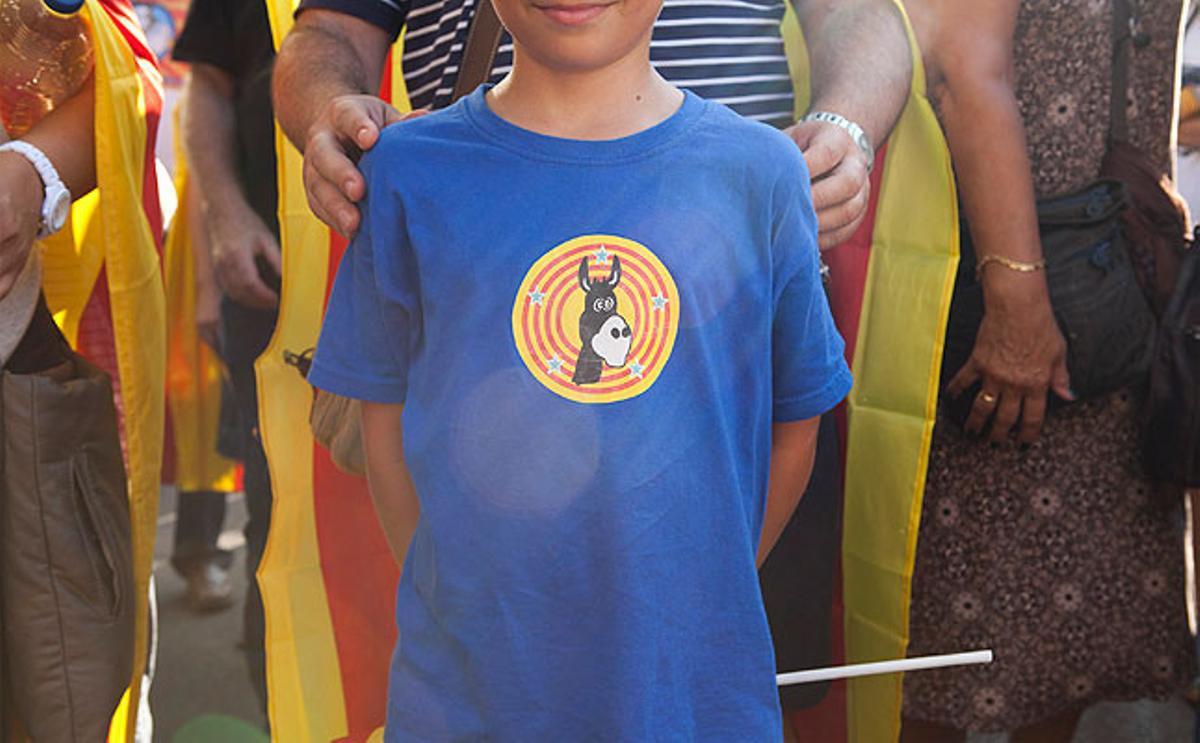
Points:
[[363, 131], [347, 185]]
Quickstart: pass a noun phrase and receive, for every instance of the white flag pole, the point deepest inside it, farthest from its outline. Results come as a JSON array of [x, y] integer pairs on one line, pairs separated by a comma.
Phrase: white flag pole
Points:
[[886, 666]]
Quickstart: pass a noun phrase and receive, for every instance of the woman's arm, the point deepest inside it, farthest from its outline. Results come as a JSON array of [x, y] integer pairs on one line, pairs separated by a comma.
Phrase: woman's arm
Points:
[[67, 138], [392, 487], [793, 446], [1019, 353]]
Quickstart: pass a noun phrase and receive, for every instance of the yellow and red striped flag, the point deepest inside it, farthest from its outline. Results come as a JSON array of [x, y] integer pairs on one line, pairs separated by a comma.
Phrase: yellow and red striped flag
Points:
[[328, 579], [890, 291]]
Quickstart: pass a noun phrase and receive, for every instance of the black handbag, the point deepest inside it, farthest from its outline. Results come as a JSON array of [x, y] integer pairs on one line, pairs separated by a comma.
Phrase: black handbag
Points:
[[1095, 272], [1094, 292]]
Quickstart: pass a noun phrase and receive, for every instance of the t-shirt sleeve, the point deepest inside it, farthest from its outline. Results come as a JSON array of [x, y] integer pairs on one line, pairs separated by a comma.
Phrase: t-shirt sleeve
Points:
[[207, 36], [372, 322], [386, 14], [810, 375]]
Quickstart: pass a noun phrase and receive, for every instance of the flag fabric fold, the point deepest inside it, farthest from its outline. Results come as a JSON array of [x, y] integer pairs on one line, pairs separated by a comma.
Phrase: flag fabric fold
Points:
[[327, 576], [890, 291], [194, 372]]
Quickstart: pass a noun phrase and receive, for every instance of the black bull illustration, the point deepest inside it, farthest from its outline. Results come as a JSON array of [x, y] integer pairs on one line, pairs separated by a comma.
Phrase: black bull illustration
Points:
[[604, 336]]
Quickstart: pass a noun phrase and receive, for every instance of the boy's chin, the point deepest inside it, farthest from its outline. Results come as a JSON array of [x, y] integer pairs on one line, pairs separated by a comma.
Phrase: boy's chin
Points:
[[574, 54]]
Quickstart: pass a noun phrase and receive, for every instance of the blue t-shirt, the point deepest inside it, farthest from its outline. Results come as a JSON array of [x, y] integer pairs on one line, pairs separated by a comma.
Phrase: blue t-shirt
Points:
[[591, 341]]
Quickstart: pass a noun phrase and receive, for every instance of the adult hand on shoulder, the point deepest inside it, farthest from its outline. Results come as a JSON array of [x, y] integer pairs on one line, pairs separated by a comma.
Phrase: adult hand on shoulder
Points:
[[348, 126], [239, 238], [841, 183], [1019, 356], [20, 213]]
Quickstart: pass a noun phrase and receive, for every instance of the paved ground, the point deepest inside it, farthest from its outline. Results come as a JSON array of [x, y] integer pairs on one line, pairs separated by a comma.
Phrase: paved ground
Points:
[[201, 679], [201, 689]]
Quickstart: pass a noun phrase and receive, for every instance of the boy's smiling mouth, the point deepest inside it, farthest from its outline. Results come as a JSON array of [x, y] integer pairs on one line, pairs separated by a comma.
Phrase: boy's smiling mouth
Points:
[[572, 14]]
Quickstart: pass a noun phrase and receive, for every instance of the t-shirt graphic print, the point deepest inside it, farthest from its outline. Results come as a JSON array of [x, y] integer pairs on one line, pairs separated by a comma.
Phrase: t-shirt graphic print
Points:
[[596, 318]]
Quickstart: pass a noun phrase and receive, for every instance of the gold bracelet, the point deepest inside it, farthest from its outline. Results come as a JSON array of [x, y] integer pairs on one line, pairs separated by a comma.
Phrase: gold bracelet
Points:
[[1007, 263]]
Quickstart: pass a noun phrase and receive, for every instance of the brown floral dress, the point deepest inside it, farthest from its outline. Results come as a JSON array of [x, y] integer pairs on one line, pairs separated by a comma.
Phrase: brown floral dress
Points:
[[1060, 558]]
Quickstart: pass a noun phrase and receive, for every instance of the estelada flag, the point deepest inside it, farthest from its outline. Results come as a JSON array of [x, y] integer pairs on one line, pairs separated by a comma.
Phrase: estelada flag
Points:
[[103, 282], [327, 576], [890, 289], [328, 579]]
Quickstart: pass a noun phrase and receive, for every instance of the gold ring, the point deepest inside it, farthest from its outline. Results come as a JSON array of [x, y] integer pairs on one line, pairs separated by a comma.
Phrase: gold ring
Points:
[[988, 398]]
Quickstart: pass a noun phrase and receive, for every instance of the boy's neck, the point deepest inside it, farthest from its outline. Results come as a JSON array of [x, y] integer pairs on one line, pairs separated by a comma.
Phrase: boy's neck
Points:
[[599, 104]]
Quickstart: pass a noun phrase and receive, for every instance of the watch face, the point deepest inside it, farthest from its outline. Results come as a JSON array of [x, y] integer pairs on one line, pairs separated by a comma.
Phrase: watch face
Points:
[[58, 206]]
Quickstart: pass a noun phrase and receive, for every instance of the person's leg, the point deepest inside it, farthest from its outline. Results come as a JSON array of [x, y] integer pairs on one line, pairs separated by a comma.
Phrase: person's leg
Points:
[[246, 334], [919, 731], [199, 518], [258, 506]]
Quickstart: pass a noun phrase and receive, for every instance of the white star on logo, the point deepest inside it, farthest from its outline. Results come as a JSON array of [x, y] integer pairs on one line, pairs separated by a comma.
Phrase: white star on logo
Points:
[[536, 296], [602, 255], [636, 370], [659, 302], [553, 365]]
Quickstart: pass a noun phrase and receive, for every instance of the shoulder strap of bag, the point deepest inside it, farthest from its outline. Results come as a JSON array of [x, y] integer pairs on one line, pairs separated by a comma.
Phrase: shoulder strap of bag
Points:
[[1122, 35], [483, 39]]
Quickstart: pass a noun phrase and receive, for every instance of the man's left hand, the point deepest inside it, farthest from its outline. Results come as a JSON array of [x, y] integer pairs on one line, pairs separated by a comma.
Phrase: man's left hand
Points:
[[20, 212], [841, 182]]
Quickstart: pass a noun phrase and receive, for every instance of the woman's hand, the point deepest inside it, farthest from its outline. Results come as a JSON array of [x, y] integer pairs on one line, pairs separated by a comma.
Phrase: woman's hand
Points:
[[1019, 355]]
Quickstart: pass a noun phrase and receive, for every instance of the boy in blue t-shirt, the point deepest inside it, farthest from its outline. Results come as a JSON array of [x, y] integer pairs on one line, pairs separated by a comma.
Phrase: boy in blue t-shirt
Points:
[[596, 300]]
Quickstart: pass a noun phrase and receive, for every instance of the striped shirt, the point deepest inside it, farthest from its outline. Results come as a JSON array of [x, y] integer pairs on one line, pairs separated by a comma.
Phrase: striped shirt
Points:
[[729, 51]]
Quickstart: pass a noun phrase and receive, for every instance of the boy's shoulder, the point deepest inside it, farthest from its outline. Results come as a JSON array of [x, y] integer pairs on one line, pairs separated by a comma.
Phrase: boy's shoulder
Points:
[[770, 153], [417, 135]]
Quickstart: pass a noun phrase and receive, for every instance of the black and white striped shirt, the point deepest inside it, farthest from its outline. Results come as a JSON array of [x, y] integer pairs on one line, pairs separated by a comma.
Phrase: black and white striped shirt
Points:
[[729, 51]]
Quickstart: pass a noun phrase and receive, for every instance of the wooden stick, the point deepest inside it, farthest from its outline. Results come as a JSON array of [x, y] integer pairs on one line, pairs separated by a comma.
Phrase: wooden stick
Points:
[[885, 666]]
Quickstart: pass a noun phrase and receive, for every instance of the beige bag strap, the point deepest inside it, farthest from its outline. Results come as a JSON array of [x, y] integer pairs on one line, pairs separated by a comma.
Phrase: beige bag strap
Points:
[[483, 39]]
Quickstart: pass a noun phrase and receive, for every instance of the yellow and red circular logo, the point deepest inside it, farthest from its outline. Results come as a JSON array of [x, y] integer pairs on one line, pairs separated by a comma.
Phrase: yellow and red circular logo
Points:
[[595, 319]]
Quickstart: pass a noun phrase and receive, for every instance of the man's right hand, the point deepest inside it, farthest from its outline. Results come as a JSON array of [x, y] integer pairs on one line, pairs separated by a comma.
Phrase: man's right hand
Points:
[[347, 127], [238, 239]]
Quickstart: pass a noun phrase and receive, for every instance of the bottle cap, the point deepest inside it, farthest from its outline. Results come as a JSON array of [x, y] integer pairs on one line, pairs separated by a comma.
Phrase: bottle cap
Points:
[[64, 7]]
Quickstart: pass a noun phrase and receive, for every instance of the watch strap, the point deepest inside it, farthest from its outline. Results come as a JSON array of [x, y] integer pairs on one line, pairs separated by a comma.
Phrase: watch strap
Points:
[[51, 183], [854, 130]]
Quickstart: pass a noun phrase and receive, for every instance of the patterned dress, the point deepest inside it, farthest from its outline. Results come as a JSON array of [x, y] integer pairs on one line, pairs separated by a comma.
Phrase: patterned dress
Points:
[[1060, 558]]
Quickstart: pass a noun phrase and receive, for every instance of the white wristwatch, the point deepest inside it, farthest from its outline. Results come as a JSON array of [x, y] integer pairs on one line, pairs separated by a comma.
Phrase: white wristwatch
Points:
[[56, 199], [854, 130]]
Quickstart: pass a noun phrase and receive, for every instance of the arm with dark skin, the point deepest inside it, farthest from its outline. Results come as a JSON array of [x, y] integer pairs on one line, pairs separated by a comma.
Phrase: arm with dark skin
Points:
[[391, 485], [236, 234], [861, 68], [1019, 354], [793, 447], [67, 137]]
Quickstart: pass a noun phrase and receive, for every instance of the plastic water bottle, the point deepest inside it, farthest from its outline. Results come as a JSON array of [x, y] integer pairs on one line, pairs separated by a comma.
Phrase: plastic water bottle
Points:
[[45, 57]]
